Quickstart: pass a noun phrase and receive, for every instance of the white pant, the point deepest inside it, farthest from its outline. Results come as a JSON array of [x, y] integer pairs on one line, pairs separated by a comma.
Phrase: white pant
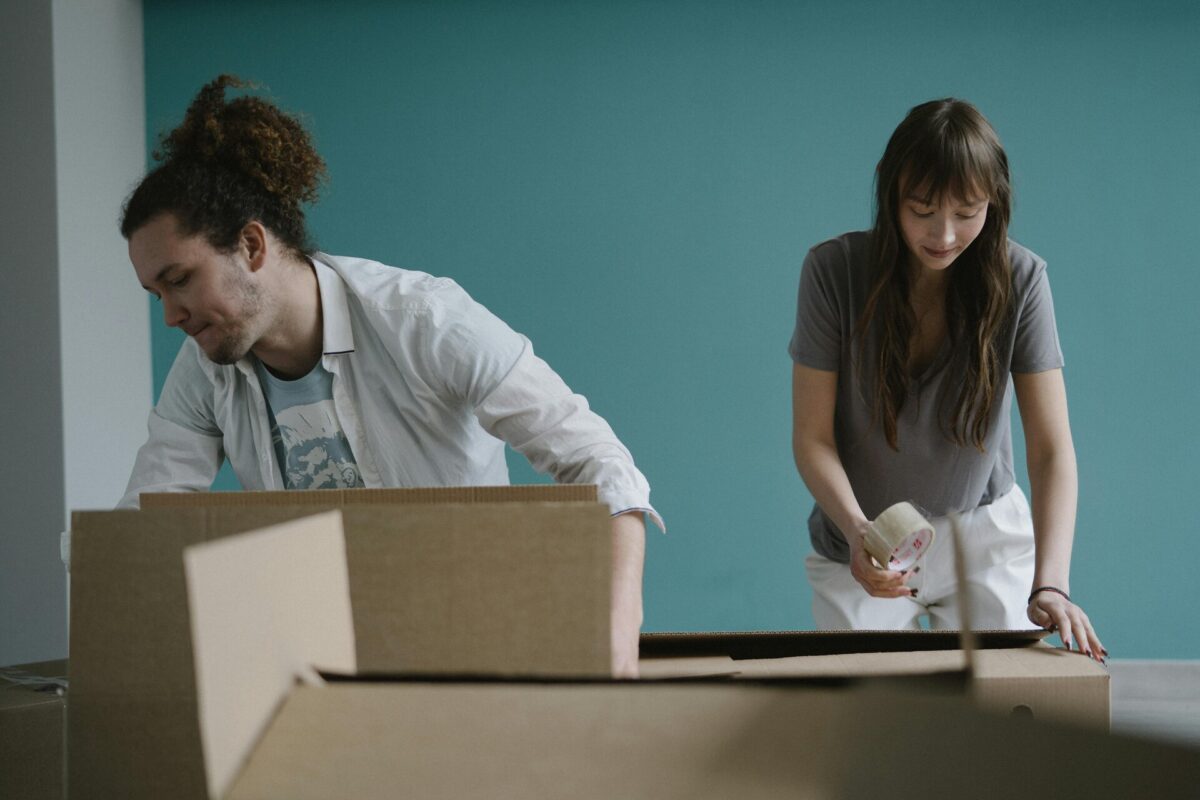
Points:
[[998, 549]]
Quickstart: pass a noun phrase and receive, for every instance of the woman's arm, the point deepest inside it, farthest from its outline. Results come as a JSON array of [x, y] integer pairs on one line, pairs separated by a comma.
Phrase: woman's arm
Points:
[[814, 397], [1050, 457]]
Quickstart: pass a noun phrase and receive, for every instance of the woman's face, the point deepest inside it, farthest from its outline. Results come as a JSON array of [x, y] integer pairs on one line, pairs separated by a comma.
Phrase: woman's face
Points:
[[938, 230]]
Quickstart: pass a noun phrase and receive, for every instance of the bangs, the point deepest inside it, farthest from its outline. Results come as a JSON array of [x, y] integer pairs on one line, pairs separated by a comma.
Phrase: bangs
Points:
[[953, 165]]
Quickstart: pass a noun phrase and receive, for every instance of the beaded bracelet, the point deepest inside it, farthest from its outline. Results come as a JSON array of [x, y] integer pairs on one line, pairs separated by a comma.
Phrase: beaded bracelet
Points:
[[1054, 589]]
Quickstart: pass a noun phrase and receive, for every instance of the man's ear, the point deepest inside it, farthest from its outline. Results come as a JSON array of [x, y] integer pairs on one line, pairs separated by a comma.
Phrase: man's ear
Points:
[[254, 244]]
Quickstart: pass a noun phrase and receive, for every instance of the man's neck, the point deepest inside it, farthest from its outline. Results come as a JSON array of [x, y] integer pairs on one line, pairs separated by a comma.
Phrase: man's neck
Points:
[[292, 346]]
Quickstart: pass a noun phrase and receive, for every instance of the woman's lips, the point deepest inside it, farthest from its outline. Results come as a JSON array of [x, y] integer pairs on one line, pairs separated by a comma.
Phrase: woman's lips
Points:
[[937, 253]]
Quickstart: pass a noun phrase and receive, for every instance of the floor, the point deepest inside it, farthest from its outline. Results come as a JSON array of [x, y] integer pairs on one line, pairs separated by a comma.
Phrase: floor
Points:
[[1156, 699]]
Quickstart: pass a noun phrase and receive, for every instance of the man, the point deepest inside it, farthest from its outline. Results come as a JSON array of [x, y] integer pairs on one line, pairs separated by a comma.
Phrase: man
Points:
[[308, 370]]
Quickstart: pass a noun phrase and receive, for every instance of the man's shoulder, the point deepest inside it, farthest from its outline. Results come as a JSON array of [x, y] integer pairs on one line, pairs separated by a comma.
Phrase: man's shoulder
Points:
[[387, 288]]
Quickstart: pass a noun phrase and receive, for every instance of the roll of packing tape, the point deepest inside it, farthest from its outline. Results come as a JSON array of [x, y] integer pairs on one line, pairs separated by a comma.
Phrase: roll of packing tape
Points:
[[899, 537]]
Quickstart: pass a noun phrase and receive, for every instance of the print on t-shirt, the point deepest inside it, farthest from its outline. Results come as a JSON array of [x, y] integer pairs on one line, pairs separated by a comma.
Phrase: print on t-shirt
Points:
[[317, 452], [309, 443]]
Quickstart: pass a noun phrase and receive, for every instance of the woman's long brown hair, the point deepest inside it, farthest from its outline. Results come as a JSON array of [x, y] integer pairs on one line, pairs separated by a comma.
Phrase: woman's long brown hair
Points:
[[943, 148]]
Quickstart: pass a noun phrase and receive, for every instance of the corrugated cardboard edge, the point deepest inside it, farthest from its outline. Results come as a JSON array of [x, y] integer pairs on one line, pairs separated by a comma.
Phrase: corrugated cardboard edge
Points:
[[545, 493], [768, 644]]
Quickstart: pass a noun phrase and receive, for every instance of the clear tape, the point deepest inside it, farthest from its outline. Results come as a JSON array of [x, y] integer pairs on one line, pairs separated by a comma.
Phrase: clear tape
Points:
[[899, 536]]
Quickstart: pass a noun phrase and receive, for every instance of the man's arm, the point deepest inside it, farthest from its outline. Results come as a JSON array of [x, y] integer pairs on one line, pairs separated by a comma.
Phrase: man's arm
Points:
[[629, 552], [540, 417], [184, 447], [173, 459]]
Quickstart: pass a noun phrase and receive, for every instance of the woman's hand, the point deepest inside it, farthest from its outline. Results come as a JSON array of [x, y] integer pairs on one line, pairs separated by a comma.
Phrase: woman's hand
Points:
[[876, 581], [1056, 613]]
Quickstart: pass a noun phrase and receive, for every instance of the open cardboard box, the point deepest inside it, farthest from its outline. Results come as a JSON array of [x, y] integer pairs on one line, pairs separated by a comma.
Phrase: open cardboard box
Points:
[[265, 736], [1012, 672], [462, 587], [496, 581]]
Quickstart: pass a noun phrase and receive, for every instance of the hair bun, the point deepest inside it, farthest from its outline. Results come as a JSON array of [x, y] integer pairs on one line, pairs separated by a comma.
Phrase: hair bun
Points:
[[250, 137]]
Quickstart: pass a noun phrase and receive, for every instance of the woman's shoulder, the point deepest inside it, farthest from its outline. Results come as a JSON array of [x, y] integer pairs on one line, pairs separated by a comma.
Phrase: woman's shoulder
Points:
[[842, 255], [1027, 266]]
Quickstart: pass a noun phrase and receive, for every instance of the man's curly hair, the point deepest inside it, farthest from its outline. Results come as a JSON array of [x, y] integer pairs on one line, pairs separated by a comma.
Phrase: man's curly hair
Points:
[[229, 163]]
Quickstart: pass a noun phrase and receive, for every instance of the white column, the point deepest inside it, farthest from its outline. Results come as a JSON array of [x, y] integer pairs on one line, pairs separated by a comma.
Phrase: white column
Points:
[[75, 354]]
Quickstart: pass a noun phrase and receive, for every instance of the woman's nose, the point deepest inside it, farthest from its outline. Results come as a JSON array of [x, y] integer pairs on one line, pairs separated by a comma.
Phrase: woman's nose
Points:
[[943, 230]]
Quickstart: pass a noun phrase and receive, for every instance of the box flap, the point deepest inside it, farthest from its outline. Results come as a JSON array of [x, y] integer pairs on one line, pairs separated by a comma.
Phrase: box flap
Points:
[[488, 588], [687, 667], [783, 644], [717, 739], [527, 740], [266, 607]]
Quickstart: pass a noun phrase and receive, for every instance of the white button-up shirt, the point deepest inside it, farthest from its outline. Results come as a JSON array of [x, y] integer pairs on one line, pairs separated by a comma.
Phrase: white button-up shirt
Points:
[[427, 384]]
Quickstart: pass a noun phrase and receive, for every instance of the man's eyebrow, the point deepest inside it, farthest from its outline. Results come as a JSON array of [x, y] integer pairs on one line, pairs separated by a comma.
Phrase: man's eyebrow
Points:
[[158, 278]]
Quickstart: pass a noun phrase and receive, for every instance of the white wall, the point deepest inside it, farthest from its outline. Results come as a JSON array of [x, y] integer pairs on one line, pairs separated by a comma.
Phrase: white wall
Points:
[[75, 354]]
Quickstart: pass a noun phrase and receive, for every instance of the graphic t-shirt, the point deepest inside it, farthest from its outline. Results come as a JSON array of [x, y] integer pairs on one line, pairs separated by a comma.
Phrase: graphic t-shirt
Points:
[[311, 446]]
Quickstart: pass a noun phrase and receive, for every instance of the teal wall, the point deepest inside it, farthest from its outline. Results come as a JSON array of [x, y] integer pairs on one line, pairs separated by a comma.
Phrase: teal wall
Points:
[[634, 185]]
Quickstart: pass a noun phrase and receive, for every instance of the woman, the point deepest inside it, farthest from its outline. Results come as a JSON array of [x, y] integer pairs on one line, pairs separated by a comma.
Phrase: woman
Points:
[[906, 337], [308, 370]]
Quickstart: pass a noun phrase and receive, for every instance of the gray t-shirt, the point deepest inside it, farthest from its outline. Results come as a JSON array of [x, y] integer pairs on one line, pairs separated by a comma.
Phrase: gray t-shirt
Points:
[[929, 469]]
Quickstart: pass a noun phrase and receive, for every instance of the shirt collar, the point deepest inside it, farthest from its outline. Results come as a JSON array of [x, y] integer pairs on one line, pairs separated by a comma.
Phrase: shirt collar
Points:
[[337, 336]]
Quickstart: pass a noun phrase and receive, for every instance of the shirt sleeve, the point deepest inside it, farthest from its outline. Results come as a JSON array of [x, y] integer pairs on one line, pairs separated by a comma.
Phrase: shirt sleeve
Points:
[[184, 449], [817, 339], [476, 358], [535, 412], [1036, 347]]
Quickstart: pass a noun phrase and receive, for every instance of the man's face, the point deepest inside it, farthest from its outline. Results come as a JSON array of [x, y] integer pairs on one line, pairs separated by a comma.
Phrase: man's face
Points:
[[209, 295]]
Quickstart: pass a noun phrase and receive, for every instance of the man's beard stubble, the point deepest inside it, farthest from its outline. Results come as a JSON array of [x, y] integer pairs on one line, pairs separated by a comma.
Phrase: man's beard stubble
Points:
[[237, 340]]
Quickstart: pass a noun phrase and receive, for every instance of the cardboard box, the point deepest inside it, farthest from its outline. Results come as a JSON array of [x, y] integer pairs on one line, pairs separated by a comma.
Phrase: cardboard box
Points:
[[812, 737], [1013, 672], [135, 728], [31, 730], [457, 587], [729, 739]]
